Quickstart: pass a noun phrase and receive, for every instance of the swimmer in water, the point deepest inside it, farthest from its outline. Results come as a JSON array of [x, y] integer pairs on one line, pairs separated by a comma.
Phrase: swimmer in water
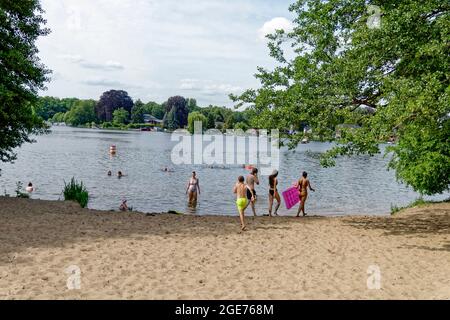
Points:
[[240, 189], [109, 173], [193, 187], [120, 174], [29, 188], [124, 206]]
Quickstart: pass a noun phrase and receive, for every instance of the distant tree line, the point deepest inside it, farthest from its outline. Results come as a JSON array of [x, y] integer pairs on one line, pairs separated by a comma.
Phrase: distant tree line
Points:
[[116, 108]]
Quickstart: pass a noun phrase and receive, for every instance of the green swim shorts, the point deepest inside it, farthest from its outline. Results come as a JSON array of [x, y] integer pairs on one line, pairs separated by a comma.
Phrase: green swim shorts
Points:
[[241, 203]]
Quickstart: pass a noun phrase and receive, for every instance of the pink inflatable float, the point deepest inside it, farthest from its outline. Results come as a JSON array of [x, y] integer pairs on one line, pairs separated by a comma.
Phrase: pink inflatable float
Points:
[[291, 197]]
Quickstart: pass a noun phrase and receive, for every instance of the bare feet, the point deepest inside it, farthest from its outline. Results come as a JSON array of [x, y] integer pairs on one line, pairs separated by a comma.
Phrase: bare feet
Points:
[[243, 228]]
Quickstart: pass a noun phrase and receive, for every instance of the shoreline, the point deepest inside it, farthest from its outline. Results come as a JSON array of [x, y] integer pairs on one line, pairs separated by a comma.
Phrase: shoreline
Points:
[[123, 255]]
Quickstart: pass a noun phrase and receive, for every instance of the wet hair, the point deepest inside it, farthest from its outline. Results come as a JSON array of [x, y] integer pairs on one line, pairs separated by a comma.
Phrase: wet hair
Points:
[[30, 184], [254, 170], [305, 174], [194, 173], [119, 173], [241, 179]]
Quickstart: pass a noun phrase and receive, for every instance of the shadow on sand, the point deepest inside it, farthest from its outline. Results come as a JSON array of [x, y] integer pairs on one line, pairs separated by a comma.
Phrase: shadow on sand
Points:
[[28, 223]]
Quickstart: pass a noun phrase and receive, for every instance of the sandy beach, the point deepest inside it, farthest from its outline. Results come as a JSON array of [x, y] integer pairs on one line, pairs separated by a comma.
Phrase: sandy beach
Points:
[[137, 256]]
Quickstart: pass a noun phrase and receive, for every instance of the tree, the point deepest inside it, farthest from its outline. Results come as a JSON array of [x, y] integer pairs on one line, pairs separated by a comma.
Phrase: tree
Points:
[[388, 80], [192, 105], [242, 126], [229, 122], [110, 101], [22, 74], [178, 107], [58, 117], [155, 109], [120, 116], [47, 107], [82, 112], [138, 111], [194, 117], [211, 123], [169, 121]]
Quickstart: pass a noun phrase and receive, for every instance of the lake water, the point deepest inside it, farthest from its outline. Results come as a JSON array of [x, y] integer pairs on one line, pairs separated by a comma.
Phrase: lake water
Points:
[[358, 185]]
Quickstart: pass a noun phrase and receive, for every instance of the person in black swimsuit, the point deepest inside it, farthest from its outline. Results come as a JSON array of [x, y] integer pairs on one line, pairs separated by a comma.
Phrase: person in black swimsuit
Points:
[[251, 180], [273, 192]]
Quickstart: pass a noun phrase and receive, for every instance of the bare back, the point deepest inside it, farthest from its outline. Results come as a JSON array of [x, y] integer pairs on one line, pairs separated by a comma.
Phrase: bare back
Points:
[[241, 190], [251, 180], [303, 185]]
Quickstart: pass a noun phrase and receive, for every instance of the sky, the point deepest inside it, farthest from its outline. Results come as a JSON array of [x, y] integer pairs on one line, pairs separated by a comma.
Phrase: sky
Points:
[[154, 49]]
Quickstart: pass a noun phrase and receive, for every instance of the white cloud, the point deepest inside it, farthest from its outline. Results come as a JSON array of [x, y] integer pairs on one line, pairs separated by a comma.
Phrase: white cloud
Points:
[[109, 65], [208, 87], [154, 44], [74, 58], [273, 25], [102, 82], [190, 84]]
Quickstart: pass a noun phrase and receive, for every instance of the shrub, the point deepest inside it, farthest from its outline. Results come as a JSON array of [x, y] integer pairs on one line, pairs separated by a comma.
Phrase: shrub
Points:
[[76, 191], [395, 209], [19, 192]]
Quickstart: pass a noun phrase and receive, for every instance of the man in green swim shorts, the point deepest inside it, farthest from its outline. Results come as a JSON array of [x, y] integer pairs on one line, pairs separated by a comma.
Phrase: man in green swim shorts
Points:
[[240, 189]]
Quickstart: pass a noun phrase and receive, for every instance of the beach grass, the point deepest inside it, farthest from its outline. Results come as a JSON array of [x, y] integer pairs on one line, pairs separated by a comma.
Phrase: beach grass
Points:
[[76, 191], [419, 202]]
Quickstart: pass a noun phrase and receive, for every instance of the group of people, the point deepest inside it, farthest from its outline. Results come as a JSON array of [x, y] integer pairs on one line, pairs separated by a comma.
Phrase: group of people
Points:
[[245, 190], [119, 174], [246, 193]]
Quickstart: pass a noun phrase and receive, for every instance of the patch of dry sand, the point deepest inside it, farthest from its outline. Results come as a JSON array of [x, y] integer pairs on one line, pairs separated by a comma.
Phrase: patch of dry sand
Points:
[[133, 256]]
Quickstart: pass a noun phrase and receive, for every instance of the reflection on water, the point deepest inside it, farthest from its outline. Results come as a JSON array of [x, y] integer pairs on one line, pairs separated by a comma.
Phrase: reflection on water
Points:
[[356, 185]]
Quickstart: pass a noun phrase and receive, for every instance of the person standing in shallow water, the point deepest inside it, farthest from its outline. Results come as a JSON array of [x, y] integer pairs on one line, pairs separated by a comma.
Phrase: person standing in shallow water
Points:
[[303, 186], [193, 187], [273, 192], [251, 180], [240, 189]]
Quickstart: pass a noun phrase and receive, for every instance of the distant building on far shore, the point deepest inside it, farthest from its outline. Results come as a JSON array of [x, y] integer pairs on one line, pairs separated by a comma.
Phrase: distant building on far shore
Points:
[[148, 118]]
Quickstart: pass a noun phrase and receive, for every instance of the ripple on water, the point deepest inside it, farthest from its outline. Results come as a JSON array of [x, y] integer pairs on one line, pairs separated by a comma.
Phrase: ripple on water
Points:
[[359, 185]]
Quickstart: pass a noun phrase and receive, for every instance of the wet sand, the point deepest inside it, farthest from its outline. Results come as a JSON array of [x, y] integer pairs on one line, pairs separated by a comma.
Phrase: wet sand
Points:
[[134, 256]]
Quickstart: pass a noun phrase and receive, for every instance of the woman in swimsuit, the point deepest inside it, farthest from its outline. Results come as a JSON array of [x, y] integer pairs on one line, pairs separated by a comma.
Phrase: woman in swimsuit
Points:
[[273, 192], [303, 185], [192, 188]]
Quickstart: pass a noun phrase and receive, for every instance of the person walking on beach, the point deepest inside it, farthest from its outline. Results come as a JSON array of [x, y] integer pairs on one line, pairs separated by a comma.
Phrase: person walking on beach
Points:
[[240, 189], [251, 180], [273, 192], [193, 187], [303, 185]]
